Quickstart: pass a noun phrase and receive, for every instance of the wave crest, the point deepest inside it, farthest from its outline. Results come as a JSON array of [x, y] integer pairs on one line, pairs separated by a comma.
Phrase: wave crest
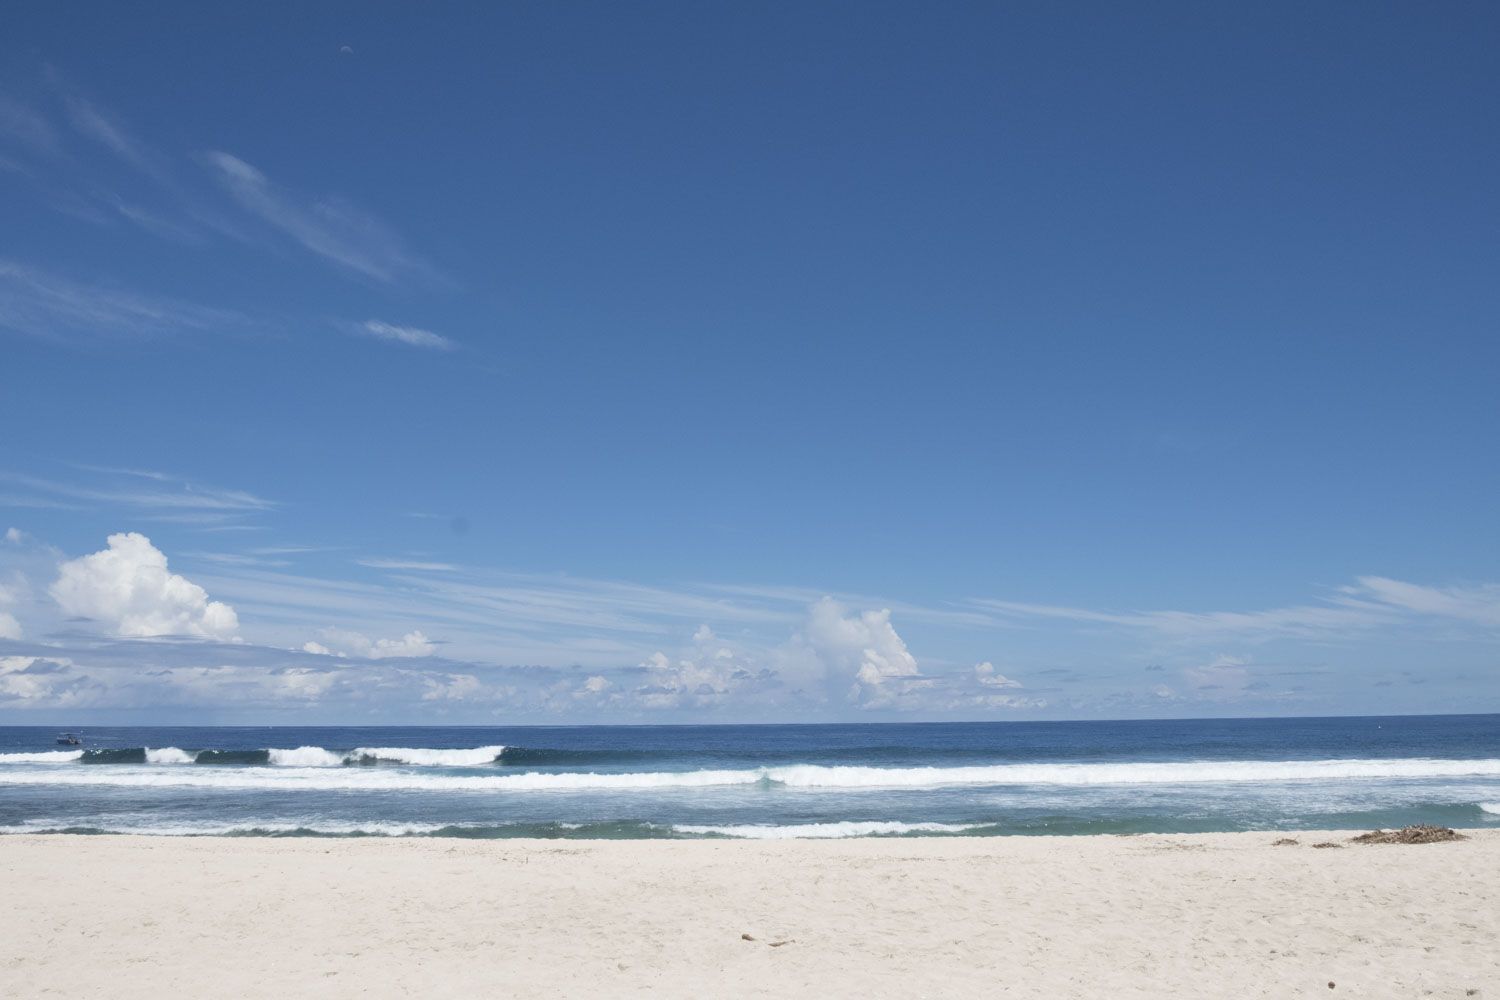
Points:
[[422, 757], [42, 757]]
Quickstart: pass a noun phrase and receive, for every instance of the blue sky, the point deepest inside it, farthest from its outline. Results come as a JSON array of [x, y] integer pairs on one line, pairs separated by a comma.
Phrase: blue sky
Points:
[[595, 362]]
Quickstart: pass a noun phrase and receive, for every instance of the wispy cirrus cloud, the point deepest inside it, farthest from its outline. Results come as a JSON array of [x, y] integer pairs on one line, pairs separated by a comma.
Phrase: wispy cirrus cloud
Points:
[[410, 335], [407, 564], [1478, 604], [24, 126], [331, 227], [1305, 621], [148, 496], [102, 127], [184, 205], [1369, 604], [39, 303]]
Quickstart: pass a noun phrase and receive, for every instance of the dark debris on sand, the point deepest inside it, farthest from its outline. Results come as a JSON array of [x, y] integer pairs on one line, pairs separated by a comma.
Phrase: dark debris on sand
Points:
[[1325, 845], [1409, 835], [1285, 842]]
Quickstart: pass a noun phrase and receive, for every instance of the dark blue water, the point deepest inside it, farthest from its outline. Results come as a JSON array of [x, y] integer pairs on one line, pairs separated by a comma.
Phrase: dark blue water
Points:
[[943, 779]]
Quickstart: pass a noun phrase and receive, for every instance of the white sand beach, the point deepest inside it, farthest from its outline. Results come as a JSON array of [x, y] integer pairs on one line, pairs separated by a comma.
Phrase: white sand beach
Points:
[[1213, 915]]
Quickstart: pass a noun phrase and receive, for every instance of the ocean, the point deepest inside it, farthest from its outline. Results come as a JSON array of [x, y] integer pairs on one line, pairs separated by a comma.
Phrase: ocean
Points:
[[771, 781]]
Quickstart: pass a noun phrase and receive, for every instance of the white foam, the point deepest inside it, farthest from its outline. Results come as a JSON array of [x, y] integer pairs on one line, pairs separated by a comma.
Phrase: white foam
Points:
[[822, 831], [1490, 807], [309, 768], [320, 777], [169, 755], [44, 757], [376, 829], [429, 758], [304, 757], [1164, 773]]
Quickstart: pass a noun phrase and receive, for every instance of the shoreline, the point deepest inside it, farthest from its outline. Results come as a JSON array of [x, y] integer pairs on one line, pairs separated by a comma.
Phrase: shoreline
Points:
[[1189, 915]]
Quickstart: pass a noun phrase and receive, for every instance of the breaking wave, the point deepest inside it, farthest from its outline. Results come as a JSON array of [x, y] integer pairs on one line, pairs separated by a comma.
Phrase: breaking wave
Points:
[[292, 757], [1490, 807], [169, 755], [43, 757], [426, 758], [304, 757]]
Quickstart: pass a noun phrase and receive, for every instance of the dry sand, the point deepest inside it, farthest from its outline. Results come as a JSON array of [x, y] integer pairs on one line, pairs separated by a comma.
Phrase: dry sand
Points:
[[1217, 915]]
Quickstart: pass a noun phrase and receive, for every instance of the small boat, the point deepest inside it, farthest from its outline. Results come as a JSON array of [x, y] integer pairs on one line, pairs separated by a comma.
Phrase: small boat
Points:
[[69, 740]]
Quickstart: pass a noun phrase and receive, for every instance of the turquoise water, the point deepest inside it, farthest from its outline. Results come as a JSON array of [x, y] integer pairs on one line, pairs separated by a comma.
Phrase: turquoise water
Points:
[[942, 779]]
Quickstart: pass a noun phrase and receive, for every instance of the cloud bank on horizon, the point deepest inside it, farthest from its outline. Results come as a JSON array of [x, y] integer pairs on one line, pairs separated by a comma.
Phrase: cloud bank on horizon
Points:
[[117, 633]]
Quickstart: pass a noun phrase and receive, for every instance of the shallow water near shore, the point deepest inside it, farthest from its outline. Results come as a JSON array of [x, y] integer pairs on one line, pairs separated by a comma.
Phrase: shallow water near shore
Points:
[[761, 782]]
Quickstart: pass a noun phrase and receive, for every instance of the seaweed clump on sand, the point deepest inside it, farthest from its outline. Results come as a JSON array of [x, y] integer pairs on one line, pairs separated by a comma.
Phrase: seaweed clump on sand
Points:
[[1285, 842], [1409, 835]]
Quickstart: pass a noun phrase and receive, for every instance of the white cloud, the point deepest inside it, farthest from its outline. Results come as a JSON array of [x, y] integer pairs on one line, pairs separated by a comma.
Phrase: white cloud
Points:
[[331, 227], [987, 676], [15, 536], [38, 303], [1372, 603], [341, 642], [38, 681], [129, 587], [1478, 604], [94, 123], [409, 335], [10, 628], [863, 647], [27, 127], [407, 564], [453, 687], [1302, 621], [1229, 674], [704, 675]]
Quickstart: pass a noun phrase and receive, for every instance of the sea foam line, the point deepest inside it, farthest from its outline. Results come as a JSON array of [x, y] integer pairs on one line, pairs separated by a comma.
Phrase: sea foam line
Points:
[[826, 831], [808, 776]]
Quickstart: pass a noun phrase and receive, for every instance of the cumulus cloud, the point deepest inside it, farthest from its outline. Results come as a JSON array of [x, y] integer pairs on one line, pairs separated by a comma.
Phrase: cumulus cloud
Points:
[[987, 676], [704, 675], [10, 593], [36, 681], [453, 687], [340, 642], [863, 647], [129, 588]]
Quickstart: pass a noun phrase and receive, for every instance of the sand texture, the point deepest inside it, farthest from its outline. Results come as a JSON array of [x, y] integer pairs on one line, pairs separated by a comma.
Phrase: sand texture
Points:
[[1213, 915]]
